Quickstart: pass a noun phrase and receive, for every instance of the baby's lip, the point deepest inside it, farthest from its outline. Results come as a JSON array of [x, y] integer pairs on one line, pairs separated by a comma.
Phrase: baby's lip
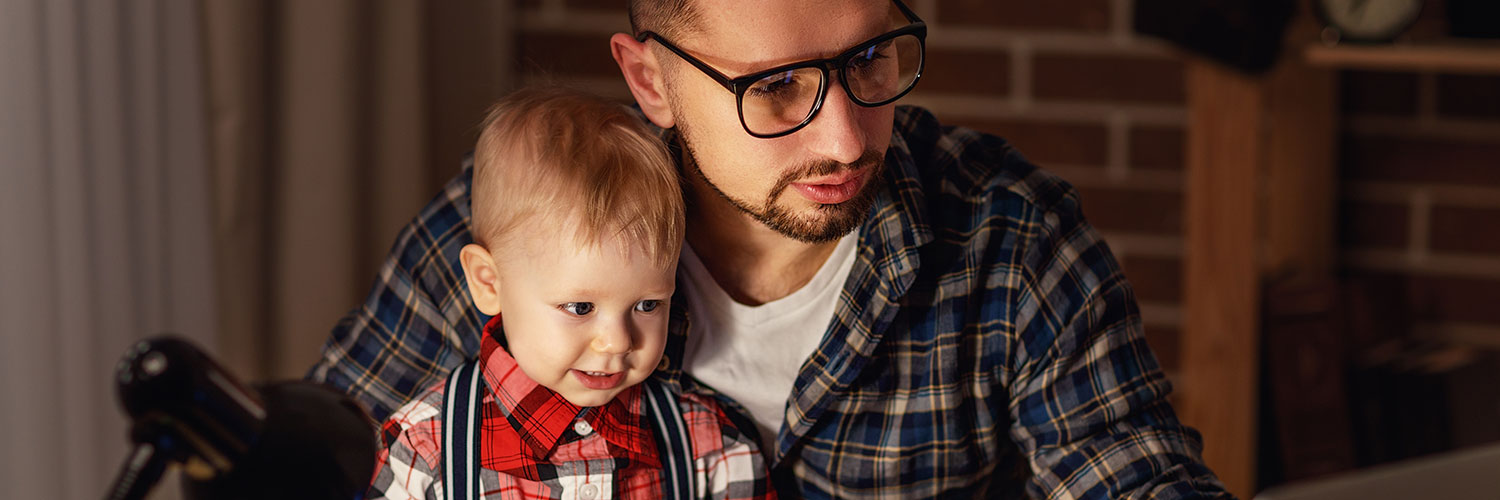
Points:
[[599, 380]]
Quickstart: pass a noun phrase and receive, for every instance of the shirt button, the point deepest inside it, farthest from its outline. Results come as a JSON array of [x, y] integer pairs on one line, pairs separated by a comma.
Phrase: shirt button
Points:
[[583, 429], [588, 492]]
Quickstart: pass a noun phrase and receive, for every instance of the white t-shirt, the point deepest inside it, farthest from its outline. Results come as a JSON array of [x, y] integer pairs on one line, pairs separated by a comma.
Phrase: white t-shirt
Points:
[[753, 353]]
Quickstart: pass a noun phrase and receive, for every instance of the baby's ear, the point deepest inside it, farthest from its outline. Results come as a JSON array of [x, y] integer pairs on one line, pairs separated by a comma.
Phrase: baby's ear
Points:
[[483, 278]]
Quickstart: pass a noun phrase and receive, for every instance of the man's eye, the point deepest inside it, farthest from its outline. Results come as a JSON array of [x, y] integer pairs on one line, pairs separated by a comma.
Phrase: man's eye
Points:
[[775, 85], [868, 57], [647, 305], [578, 308]]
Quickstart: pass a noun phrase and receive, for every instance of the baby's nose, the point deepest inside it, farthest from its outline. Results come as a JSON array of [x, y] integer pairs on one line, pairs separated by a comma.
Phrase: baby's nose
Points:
[[612, 339]]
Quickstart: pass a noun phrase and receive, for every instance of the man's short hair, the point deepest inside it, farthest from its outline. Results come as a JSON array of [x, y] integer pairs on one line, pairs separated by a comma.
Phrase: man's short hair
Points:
[[559, 156], [669, 18]]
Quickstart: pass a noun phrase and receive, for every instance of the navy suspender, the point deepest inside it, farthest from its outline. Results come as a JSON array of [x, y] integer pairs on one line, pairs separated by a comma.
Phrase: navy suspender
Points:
[[461, 433], [673, 442]]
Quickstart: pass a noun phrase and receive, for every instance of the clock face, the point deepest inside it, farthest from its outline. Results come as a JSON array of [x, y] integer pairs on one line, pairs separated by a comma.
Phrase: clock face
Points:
[[1369, 20]]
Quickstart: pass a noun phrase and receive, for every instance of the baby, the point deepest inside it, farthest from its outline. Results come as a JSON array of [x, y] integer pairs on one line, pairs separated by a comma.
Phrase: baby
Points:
[[578, 222]]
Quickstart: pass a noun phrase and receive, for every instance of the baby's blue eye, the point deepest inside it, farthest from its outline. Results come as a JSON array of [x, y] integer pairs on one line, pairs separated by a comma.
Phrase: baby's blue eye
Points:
[[646, 306], [578, 308]]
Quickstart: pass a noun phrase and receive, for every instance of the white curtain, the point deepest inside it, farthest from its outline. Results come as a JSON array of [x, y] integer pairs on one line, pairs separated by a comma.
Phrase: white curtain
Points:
[[104, 224], [333, 122], [229, 171]]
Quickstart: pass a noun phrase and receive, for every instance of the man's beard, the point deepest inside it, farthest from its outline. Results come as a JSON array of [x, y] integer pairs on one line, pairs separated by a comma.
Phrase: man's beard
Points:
[[833, 220]]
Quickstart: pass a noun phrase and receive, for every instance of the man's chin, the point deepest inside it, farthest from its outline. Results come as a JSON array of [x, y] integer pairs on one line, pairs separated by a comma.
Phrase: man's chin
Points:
[[818, 223]]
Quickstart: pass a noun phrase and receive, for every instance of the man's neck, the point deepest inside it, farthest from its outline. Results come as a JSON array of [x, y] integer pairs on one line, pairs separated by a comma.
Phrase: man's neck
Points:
[[750, 261]]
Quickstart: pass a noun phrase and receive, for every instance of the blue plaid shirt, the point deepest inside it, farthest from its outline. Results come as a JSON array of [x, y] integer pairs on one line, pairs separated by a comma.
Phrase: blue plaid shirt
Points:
[[985, 343]]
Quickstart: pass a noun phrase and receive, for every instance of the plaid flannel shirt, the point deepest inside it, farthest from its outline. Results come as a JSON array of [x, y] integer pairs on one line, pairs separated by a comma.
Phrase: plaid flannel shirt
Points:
[[534, 444], [985, 343]]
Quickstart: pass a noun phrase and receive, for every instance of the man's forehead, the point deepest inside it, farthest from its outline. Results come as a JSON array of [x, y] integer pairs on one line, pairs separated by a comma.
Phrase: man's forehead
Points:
[[737, 36]]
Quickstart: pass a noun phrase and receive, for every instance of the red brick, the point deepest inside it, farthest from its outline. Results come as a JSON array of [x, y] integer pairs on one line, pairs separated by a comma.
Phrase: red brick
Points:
[[1049, 143], [1436, 161], [1453, 299], [1156, 279], [1469, 96], [1070, 15], [1164, 342], [1137, 211], [1403, 300], [1465, 230], [965, 71], [1108, 78], [566, 55], [1157, 148], [1373, 225], [1379, 93]]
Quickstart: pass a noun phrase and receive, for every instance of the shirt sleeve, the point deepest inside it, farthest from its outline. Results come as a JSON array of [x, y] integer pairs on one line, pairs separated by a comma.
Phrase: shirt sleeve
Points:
[[410, 464], [729, 463], [1088, 398], [418, 321]]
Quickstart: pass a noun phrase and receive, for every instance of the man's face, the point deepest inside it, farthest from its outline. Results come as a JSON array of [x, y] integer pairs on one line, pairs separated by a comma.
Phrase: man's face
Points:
[[584, 321], [815, 184]]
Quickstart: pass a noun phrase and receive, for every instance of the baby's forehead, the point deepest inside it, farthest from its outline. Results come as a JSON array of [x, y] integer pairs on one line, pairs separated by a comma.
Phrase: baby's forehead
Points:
[[539, 232], [566, 233]]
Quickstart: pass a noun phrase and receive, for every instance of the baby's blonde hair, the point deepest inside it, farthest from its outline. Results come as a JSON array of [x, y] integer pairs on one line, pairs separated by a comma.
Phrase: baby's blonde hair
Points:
[[563, 156]]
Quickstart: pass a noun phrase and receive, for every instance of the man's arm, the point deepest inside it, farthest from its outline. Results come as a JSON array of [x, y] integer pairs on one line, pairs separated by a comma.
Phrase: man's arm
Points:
[[1088, 399], [418, 321]]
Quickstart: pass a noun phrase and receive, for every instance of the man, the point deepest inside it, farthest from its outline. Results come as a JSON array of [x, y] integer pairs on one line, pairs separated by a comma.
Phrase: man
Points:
[[903, 309]]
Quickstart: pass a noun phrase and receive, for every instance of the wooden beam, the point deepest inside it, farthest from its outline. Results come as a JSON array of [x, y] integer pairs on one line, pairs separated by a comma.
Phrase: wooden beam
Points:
[[1301, 184], [1467, 56], [1221, 319], [1261, 203]]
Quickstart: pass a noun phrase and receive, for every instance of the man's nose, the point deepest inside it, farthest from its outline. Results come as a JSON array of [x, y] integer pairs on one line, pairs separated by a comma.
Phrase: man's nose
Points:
[[835, 132]]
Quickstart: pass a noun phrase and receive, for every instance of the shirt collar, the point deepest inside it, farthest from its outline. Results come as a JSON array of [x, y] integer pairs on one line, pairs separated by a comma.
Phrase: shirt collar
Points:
[[897, 227], [524, 421]]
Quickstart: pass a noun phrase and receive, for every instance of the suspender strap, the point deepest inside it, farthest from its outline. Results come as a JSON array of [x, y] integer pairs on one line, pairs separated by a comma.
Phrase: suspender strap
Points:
[[461, 433], [673, 442]]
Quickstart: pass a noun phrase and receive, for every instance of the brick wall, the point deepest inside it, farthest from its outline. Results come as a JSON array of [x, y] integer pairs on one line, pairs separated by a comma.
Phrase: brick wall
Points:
[[1421, 198], [1420, 225], [1067, 82], [1076, 91], [1420, 233]]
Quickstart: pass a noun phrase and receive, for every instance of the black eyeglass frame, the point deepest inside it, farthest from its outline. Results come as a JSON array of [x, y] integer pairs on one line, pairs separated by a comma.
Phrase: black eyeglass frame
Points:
[[738, 86]]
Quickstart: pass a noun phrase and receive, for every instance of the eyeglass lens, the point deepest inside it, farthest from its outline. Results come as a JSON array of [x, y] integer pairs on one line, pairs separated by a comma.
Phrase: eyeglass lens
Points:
[[874, 75]]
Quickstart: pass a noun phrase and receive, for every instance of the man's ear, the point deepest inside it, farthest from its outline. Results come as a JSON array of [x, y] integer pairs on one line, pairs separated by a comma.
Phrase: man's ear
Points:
[[483, 278], [644, 76]]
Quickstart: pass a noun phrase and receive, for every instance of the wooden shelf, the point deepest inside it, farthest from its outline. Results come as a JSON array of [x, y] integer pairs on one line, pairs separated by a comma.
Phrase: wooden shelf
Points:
[[1467, 56]]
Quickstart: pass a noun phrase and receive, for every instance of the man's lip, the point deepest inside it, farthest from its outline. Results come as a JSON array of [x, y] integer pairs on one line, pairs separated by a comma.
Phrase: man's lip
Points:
[[832, 189], [834, 179]]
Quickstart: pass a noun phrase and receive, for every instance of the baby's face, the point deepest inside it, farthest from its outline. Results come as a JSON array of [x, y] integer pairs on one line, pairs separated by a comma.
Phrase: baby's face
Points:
[[584, 321]]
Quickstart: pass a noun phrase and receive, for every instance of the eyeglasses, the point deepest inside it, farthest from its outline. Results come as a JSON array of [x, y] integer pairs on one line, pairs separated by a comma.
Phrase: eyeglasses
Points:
[[782, 100]]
